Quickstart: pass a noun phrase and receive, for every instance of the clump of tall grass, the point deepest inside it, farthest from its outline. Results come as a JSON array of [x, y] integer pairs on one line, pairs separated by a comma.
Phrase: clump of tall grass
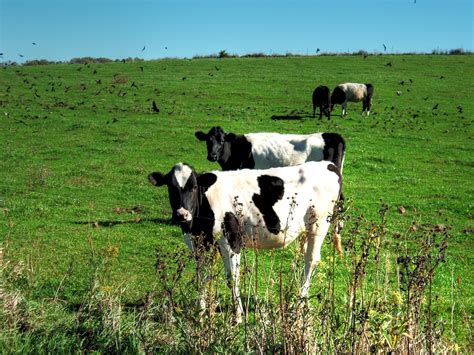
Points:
[[377, 298]]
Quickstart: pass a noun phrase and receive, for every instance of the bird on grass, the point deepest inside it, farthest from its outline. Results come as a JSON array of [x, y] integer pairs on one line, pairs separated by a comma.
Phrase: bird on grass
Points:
[[154, 107], [435, 107]]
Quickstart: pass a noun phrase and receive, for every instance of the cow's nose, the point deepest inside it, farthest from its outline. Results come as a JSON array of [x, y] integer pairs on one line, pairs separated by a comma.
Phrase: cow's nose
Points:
[[212, 157], [184, 215]]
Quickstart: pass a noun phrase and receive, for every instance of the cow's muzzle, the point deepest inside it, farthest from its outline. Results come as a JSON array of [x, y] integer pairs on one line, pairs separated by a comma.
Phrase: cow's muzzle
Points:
[[183, 215], [212, 157]]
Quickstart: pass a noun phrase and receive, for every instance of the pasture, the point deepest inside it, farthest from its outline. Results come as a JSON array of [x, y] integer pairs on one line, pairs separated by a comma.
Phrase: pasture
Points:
[[79, 215]]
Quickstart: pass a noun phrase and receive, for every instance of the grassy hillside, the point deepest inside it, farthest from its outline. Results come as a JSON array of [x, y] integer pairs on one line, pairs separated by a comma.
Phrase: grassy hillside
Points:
[[78, 141]]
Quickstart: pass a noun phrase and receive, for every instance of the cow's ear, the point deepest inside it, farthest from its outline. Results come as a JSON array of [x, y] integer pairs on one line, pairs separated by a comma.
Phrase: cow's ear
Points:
[[230, 137], [158, 179], [200, 135], [206, 180]]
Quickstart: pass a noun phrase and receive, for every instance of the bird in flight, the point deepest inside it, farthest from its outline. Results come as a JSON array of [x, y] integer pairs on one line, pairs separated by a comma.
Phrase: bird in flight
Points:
[[143, 48], [384, 47]]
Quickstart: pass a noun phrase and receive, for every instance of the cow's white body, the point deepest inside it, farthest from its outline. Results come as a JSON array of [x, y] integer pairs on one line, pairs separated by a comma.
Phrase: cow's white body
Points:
[[355, 92], [309, 189], [272, 150]]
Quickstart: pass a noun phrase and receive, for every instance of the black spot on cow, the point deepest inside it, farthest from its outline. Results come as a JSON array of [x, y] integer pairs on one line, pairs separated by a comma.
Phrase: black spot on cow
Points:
[[233, 232], [334, 148], [272, 189]]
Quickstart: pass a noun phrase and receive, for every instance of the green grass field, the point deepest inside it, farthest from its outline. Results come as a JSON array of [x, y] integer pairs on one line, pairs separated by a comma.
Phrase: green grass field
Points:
[[78, 141]]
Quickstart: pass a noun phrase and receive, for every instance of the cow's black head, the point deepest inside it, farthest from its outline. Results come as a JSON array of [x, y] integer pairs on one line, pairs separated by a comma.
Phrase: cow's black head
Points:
[[185, 189], [326, 109], [215, 141]]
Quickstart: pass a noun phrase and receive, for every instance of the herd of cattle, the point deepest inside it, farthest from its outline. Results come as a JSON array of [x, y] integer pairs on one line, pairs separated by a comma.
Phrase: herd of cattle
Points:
[[341, 94], [272, 188]]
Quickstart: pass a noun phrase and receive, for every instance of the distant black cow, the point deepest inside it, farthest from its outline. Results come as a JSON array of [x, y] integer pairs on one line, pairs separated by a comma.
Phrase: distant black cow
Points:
[[352, 92], [322, 99]]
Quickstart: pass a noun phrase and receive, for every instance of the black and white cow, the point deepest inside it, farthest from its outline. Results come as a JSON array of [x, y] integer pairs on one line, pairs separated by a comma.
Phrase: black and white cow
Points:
[[353, 92], [271, 150], [254, 208], [322, 99]]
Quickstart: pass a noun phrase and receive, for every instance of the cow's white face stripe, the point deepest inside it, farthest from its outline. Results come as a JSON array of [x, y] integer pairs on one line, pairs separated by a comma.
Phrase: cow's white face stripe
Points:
[[182, 173]]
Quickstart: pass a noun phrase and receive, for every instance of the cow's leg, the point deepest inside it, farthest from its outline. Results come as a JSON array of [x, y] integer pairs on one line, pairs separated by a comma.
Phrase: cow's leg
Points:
[[230, 244], [339, 225], [366, 106], [232, 270], [188, 239], [314, 110], [316, 231], [344, 108], [320, 112]]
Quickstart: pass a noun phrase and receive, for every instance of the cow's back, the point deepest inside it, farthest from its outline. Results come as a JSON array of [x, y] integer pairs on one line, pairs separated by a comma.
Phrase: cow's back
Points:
[[271, 150], [354, 91]]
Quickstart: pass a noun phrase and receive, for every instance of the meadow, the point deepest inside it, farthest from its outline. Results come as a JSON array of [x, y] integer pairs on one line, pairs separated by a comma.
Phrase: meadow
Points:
[[87, 244]]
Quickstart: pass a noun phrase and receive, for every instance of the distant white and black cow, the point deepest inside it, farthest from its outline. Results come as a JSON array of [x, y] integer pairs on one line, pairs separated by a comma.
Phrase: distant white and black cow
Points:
[[322, 99], [352, 92], [271, 150], [254, 208]]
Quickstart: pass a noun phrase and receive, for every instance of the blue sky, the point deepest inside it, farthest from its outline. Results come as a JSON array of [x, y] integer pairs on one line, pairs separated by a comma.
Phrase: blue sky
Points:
[[63, 29]]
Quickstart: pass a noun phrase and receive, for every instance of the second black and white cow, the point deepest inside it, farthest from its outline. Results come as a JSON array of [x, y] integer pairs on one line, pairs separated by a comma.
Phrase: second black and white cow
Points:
[[353, 92], [256, 209], [271, 150]]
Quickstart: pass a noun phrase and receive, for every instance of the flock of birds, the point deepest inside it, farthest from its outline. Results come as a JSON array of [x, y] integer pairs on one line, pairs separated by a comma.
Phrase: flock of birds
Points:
[[318, 50], [34, 44]]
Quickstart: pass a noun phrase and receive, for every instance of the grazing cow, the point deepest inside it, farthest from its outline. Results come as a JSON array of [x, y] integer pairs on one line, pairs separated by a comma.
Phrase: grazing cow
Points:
[[260, 209], [322, 99], [271, 150], [354, 93]]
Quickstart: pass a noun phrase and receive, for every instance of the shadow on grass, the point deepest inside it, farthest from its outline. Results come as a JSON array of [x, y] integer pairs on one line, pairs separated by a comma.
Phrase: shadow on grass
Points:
[[111, 223], [286, 117]]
